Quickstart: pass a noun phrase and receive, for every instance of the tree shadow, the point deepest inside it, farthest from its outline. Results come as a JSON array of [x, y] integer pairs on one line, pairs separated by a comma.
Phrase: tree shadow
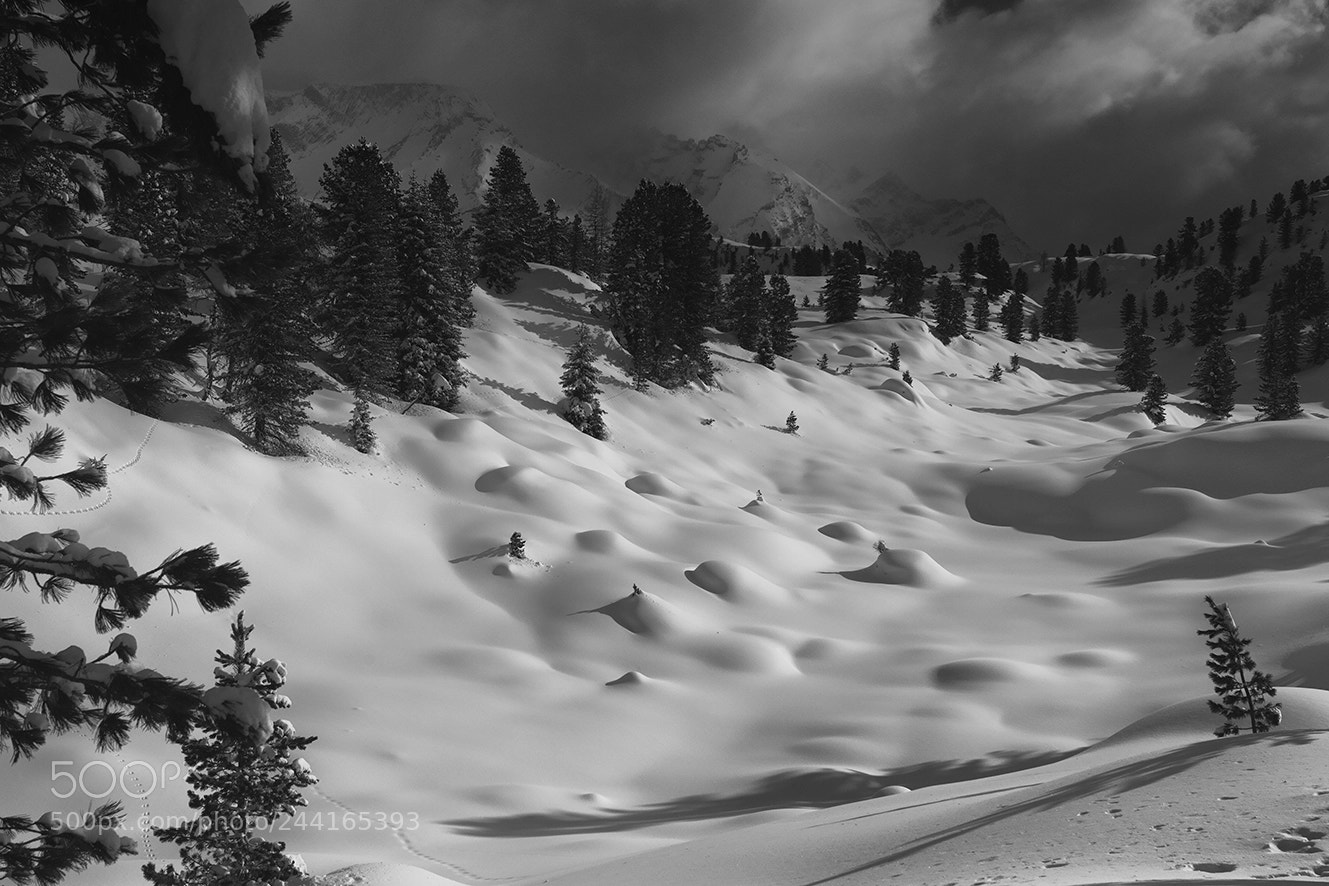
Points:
[[1300, 550], [795, 789], [1112, 781], [1044, 407], [486, 554]]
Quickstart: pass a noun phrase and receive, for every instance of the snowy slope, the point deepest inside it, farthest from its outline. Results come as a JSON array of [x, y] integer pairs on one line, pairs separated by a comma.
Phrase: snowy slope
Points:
[[420, 128], [1047, 553]]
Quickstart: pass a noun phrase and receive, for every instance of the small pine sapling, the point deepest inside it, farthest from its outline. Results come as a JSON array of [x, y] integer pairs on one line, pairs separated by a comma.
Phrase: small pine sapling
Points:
[[907, 378], [995, 374], [1155, 398], [244, 774], [791, 423], [1015, 362], [1243, 690], [893, 356], [517, 547], [361, 426], [823, 362]]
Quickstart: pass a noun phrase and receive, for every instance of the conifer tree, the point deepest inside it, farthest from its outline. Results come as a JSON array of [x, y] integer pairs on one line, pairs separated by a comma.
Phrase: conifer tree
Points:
[[1035, 327], [266, 337], [745, 311], [1213, 305], [764, 354], [517, 546], [1215, 378], [968, 265], [1317, 346], [581, 385], [555, 241], [1012, 317], [1176, 331], [995, 373], [362, 191], [599, 230], [1136, 366], [841, 295], [1243, 691], [243, 777], [1154, 400], [907, 378], [361, 426], [1068, 317], [428, 337], [893, 356], [1279, 397], [507, 224], [1128, 309], [63, 336], [455, 241], [949, 311], [576, 245], [823, 363], [783, 314], [791, 423]]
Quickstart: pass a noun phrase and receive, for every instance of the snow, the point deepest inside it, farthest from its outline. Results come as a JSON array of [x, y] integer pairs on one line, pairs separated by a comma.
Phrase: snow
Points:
[[752, 715], [210, 42]]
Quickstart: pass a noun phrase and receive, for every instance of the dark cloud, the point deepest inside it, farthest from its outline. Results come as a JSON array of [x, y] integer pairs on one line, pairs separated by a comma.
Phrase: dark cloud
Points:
[[950, 10], [1079, 119]]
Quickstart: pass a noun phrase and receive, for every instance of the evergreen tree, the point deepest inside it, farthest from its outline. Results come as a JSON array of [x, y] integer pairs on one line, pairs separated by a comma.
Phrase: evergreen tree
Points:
[[1092, 283], [1154, 400], [949, 312], [1280, 394], [361, 426], [1175, 332], [841, 295], [455, 242], [968, 266], [517, 547], [1213, 305], [362, 191], [907, 378], [554, 248], [429, 341], [765, 355], [1128, 309], [893, 356], [1020, 282], [996, 372], [1215, 378], [1051, 322], [745, 305], [599, 228], [1035, 327], [663, 286], [823, 362], [1160, 303], [507, 224], [581, 386], [243, 777], [1317, 348], [1012, 317], [1136, 366], [63, 334], [1243, 690], [791, 423], [576, 245], [783, 315], [267, 337]]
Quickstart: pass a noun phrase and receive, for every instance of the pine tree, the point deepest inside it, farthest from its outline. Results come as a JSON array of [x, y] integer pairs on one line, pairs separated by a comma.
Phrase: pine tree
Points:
[[907, 378], [1068, 317], [949, 311], [243, 777], [1035, 327], [841, 294], [581, 386], [1012, 317], [1243, 691], [1154, 400], [996, 372], [1317, 347], [428, 337], [507, 224], [764, 354], [791, 423], [893, 356], [783, 314], [968, 265], [1213, 305], [576, 245], [823, 363], [455, 241], [1280, 393], [1215, 378], [663, 285], [517, 547], [267, 337], [745, 309], [1135, 368], [1175, 332], [554, 248], [63, 335], [1128, 309], [1015, 362], [363, 200], [361, 426], [599, 228]]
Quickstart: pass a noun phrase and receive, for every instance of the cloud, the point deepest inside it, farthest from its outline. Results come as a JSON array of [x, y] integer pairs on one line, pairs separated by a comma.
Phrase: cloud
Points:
[[950, 10], [1078, 118]]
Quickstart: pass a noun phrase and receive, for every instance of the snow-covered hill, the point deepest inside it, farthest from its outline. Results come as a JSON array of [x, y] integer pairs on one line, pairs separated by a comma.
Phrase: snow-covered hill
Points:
[[937, 228], [420, 128], [1047, 551]]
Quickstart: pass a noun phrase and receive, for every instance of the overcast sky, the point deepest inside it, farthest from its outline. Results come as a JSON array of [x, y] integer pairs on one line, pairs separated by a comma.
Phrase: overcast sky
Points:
[[1078, 119]]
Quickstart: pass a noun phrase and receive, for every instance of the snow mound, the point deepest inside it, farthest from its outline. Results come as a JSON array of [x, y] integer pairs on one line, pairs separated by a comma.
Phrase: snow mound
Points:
[[1094, 659], [643, 613], [384, 874], [1191, 720], [846, 531], [651, 483], [631, 678], [735, 583], [744, 653], [983, 673], [599, 541], [904, 566]]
